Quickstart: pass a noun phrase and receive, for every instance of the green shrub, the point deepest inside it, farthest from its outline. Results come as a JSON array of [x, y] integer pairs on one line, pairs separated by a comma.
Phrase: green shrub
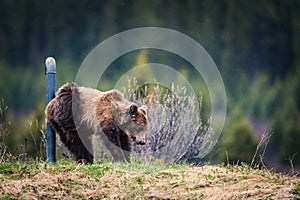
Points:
[[291, 144], [238, 142]]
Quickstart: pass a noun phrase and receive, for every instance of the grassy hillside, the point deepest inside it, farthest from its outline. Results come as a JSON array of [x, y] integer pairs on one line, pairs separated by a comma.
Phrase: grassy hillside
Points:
[[38, 180]]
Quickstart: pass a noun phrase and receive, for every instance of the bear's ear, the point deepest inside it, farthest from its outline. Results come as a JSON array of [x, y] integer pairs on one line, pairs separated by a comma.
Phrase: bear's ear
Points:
[[133, 109], [143, 109]]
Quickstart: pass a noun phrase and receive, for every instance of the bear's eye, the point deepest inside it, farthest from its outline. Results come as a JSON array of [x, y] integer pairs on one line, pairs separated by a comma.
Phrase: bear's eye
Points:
[[133, 109]]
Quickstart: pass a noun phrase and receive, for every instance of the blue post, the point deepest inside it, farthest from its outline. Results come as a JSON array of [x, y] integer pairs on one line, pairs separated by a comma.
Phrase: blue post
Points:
[[50, 71]]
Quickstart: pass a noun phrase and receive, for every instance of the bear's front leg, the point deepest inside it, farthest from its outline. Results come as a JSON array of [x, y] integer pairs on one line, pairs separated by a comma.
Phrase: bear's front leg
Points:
[[116, 141]]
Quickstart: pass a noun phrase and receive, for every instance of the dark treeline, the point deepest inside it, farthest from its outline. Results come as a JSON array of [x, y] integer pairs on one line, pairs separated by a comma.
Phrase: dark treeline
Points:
[[241, 35], [255, 44]]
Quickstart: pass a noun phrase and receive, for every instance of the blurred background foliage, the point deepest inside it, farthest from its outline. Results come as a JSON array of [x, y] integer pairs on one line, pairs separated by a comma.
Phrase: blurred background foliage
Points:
[[255, 44]]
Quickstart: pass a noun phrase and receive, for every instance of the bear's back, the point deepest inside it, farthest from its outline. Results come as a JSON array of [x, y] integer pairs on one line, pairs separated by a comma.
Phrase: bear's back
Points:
[[59, 110]]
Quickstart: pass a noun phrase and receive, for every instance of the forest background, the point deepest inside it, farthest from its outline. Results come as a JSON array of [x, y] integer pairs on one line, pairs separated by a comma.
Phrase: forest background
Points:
[[255, 44]]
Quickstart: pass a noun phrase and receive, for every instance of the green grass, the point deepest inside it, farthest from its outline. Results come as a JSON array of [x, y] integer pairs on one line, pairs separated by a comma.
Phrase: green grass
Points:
[[296, 189], [14, 169]]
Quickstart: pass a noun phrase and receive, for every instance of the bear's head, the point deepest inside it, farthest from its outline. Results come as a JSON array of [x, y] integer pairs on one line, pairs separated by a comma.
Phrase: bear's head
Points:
[[138, 128], [131, 119]]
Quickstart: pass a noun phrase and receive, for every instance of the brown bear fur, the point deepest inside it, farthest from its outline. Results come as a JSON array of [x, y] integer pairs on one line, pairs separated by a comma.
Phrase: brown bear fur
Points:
[[78, 113]]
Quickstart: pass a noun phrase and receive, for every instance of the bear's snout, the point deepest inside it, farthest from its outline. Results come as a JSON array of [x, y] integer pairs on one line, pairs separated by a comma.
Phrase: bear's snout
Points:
[[139, 142]]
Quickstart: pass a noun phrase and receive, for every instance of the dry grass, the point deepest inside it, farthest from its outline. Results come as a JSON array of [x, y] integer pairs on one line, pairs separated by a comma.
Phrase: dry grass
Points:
[[135, 181]]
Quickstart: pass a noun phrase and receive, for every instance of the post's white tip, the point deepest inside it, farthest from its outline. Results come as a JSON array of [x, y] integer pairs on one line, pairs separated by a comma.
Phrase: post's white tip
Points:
[[50, 61], [50, 66]]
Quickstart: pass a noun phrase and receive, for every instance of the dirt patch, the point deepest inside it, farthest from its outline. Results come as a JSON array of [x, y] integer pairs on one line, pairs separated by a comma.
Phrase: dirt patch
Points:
[[207, 182]]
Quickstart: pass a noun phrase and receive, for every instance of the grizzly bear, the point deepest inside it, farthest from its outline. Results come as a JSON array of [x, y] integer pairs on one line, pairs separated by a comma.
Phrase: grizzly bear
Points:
[[77, 114]]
